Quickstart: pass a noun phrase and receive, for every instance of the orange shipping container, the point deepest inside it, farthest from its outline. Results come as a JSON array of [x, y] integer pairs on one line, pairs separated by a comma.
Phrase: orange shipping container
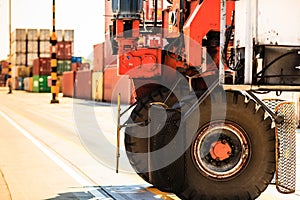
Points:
[[68, 79], [30, 84], [83, 85], [114, 84]]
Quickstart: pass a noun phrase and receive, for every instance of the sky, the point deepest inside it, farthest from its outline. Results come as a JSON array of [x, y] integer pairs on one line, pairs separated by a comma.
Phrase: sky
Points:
[[86, 18]]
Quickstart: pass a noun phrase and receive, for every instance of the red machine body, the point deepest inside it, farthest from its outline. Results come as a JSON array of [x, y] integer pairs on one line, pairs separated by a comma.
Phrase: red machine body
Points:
[[140, 52]]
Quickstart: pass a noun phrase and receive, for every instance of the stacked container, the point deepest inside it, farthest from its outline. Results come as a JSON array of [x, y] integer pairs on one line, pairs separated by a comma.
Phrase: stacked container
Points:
[[63, 66], [42, 66], [83, 85], [114, 84], [44, 43], [41, 70], [18, 47], [64, 51], [76, 63], [40, 84], [4, 67], [4, 72], [32, 46], [68, 80], [28, 84], [2, 80], [19, 54]]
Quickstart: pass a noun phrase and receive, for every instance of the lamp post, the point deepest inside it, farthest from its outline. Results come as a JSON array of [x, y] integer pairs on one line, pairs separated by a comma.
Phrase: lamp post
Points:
[[9, 56], [53, 41]]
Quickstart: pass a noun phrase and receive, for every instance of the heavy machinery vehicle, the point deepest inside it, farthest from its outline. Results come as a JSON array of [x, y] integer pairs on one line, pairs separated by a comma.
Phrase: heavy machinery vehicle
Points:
[[197, 128]]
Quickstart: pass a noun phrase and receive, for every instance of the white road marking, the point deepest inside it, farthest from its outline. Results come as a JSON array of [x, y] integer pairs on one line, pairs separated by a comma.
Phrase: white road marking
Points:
[[82, 181]]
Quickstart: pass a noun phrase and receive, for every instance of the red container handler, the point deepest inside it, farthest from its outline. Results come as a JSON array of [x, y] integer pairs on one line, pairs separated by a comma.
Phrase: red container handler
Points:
[[114, 84], [83, 85], [68, 80], [42, 66]]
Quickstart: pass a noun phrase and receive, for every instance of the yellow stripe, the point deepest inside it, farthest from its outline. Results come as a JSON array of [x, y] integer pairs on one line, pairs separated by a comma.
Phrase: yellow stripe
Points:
[[53, 36], [53, 89], [162, 195], [53, 62], [54, 76]]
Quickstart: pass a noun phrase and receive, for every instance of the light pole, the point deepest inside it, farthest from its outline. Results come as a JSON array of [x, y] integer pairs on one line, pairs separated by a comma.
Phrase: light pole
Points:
[[53, 42], [9, 56]]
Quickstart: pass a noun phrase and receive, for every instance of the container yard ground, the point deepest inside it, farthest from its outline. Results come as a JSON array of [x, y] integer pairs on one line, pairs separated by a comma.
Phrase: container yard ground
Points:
[[31, 174]]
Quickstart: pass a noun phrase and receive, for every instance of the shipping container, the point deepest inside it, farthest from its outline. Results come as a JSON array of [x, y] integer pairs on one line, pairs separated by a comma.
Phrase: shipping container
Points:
[[19, 35], [44, 55], [85, 66], [30, 58], [18, 47], [26, 83], [83, 85], [59, 83], [44, 47], [64, 50], [76, 66], [68, 81], [114, 84], [32, 46], [4, 64], [98, 60], [19, 59], [63, 66], [32, 34], [2, 80], [40, 84], [69, 35], [4, 70], [97, 86], [20, 83], [76, 59], [31, 84], [21, 71], [59, 35], [44, 35], [42, 66]]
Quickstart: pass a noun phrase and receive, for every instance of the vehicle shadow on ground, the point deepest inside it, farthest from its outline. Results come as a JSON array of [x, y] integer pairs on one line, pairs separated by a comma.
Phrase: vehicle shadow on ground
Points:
[[73, 195]]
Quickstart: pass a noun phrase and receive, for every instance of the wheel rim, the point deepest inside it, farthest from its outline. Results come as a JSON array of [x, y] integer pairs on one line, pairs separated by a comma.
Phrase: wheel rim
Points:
[[221, 149]]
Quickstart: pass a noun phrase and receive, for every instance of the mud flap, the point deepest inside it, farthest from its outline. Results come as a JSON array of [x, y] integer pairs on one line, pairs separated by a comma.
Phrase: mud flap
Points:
[[167, 175], [286, 148]]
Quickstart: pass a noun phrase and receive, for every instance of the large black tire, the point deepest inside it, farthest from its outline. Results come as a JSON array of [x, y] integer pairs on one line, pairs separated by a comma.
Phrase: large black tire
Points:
[[136, 140], [184, 177], [258, 168]]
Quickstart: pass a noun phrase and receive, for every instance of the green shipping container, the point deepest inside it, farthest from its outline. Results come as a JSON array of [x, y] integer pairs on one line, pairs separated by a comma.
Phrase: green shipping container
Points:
[[40, 84], [63, 66]]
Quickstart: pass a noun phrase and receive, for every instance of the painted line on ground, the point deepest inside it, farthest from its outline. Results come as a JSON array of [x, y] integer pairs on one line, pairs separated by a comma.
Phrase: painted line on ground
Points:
[[82, 181]]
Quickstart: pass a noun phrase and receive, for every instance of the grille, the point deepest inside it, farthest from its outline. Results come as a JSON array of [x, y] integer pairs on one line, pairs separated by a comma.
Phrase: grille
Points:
[[286, 148]]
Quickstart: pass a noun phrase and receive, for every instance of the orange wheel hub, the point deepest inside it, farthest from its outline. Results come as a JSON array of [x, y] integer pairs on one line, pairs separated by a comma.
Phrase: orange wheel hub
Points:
[[220, 150]]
